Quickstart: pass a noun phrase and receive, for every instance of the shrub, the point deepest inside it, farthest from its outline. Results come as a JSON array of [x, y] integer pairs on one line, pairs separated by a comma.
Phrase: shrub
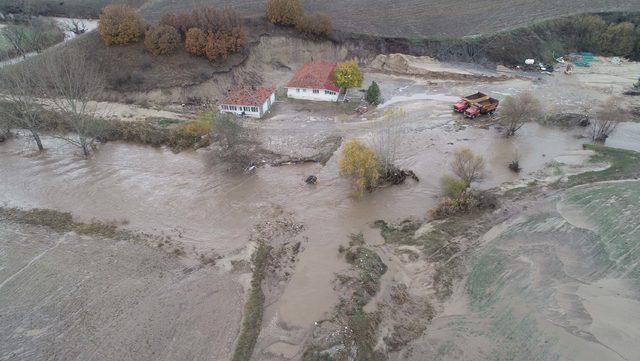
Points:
[[373, 94], [315, 25], [284, 12], [181, 22], [467, 166], [162, 40], [452, 187], [618, 39], [359, 162], [196, 42], [221, 45], [348, 74], [191, 133], [120, 24]]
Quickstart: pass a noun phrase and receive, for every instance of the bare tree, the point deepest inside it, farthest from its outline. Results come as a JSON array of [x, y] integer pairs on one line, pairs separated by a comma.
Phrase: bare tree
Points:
[[386, 140], [606, 119], [467, 166], [44, 32], [76, 26], [518, 110], [17, 37], [71, 83], [22, 110]]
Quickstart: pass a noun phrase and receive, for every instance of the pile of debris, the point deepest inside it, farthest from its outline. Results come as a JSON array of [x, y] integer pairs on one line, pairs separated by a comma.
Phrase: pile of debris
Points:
[[396, 176]]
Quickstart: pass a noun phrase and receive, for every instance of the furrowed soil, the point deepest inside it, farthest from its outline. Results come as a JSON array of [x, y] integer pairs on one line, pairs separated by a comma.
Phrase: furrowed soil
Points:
[[416, 18]]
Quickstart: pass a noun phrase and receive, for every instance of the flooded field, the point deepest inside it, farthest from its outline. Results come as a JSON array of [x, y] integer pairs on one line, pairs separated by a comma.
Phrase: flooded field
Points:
[[554, 284], [210, 210]]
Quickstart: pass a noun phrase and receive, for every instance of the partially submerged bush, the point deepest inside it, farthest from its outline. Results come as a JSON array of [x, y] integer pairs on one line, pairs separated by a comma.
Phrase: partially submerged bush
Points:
[[120, 24], [162, 40], [467, 202], [284, 12], [359, 162], [452, 187]]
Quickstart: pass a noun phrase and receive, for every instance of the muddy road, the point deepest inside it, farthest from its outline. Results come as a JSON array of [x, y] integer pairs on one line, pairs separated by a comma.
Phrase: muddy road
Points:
[[207, 209]]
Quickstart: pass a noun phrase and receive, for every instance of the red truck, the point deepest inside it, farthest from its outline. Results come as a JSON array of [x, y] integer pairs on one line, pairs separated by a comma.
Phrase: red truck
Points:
[[487, 106], [468, 101]]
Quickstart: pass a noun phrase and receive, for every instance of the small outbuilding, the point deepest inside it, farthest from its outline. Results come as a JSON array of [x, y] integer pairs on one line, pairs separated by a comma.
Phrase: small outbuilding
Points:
[[314, 81], [252, 102]]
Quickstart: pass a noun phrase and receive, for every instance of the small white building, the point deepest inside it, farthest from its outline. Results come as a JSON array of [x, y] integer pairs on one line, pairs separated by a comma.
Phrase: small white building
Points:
[[252, 102], [314, 81]]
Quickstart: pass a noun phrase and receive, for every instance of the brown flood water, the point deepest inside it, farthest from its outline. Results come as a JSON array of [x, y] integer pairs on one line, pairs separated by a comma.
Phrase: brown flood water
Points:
[[208, 208]]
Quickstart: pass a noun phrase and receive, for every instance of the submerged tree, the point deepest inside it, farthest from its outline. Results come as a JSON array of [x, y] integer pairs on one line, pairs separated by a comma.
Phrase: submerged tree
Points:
[[518, 110], [360, 163], [606, 119], [22, 110], [467, 166], [387, 139], [71, 82]]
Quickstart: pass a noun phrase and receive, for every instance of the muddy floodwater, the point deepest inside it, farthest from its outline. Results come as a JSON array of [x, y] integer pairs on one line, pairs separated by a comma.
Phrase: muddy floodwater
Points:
[[207, 209]]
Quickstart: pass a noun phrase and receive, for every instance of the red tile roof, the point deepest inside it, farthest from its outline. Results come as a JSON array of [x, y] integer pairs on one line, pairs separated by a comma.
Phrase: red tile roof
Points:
[[315, 75], [249, 96]]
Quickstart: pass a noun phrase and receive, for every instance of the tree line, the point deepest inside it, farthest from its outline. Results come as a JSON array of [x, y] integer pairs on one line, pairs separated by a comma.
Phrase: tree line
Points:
[[208, 31]]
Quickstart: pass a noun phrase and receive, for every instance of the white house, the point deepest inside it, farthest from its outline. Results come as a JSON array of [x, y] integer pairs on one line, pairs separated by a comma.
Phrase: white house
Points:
[[314, 81], [249, 101]]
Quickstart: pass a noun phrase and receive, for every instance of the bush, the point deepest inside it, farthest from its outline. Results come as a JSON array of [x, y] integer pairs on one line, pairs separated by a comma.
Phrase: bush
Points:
[[452, 187], [469, 201], [221, 45], [360, 163], [348, 74], [315, 25], [284, 12], [120, 24], [181, 22], [162, 40], [196, 42], [373, 94]]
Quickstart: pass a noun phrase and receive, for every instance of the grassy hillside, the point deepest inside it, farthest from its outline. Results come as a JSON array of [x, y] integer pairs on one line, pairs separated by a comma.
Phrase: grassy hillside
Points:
[[417, 18]]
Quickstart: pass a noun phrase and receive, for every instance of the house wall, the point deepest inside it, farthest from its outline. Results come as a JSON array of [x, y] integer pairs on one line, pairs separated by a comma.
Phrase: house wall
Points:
[[262, 110], [308, 94]]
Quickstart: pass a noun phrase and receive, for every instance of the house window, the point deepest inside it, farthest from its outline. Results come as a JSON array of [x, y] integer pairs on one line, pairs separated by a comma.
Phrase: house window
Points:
[[298, 90], [225, 107], [232, 107], [254, 109], [246, 109], [329, 92], [316, 91], [304, 90]]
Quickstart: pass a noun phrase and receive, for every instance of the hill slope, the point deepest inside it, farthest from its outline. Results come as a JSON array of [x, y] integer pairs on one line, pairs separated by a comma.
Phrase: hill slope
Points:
[[417, 18]]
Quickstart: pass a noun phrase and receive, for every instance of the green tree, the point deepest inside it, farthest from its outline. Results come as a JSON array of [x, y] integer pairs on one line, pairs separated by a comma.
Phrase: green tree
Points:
[[452, 187], [348, 74], [360, 163], [373, 94], [618, 39]]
